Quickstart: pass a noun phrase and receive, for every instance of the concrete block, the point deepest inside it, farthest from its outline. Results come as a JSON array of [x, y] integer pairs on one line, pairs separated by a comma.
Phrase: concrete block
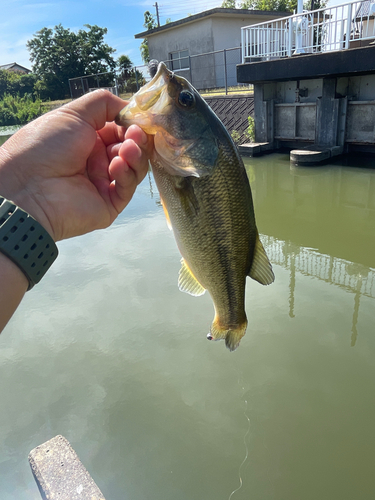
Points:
[[309, 156], [254, 148], [337, 150], [60, 474]]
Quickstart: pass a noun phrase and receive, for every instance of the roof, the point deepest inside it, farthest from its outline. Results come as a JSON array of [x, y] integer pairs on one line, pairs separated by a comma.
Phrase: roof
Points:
[[15, 66], [218, 11]]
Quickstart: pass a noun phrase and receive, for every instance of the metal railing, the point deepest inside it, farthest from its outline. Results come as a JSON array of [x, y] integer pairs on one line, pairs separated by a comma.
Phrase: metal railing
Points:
[[322, 30], [213, 71]]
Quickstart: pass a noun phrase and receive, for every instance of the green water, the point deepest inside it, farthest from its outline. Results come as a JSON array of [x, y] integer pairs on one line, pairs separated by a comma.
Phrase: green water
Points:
[[107, 351]]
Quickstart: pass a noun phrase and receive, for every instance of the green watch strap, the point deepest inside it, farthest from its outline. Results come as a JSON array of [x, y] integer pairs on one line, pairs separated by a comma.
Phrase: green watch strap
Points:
[[24, 241]]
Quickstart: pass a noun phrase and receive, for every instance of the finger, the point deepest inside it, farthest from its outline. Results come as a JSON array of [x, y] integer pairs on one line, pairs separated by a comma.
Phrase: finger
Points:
[[137, 135], [123, 185], [133, 155], [112, 133], [113, 150], [96, 108]]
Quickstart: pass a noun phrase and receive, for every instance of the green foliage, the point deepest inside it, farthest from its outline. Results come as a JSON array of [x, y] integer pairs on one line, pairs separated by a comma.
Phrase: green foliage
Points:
[[59, 54], [150, 23], [270, 5], [16, 83], [229, 4], [15, 110], [236, 136], [145, 54], [250, 131], [134, 82], [124, 64]]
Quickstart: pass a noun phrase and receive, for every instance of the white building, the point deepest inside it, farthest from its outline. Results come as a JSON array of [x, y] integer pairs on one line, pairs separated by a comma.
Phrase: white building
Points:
[[180, 42]]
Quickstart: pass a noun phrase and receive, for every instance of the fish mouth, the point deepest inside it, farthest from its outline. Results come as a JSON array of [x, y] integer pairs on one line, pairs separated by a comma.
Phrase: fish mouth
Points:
[[150, 100]]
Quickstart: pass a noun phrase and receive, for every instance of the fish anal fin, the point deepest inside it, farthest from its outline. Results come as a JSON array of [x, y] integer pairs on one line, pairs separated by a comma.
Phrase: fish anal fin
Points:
[[187, 282], [261, 268], [166, 214]]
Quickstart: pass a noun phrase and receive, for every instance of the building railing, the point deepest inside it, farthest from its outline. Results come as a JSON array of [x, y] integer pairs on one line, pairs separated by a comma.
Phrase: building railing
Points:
[[214, 71], [322, 30]]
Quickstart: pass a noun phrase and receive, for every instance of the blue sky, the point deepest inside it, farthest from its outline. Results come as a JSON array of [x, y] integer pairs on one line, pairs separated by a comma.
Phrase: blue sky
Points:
[[21, 19]]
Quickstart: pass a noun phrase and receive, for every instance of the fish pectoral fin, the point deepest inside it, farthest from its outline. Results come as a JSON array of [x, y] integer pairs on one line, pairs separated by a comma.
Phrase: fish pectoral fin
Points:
[[166, 214], [261, 268], [187, 282]]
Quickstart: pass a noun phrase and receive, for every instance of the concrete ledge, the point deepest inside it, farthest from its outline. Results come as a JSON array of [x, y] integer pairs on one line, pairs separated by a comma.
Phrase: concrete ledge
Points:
[[350, 62], [254, 148], [60, 474], [313, 155]]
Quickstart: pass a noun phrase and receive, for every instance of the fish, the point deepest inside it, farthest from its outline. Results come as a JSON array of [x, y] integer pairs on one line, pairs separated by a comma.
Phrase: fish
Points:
[[206, 197]]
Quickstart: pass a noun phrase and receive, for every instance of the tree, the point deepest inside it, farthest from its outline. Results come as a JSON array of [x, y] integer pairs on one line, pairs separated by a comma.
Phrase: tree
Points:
[[59, 54], [124, 65], [270, 5], [17, 84], [150, 23], [229, 4]]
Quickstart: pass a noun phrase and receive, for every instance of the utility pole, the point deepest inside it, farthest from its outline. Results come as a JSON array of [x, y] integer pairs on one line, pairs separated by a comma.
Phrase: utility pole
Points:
[[157, 13]]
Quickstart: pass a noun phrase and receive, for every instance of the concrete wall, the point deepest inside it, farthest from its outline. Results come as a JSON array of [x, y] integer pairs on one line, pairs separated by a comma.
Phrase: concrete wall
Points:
[[330, 112], [196, 38], [286, 91]]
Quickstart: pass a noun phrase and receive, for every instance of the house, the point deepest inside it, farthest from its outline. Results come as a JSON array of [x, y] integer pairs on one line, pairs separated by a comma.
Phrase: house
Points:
[[187, 45], [17, 68]]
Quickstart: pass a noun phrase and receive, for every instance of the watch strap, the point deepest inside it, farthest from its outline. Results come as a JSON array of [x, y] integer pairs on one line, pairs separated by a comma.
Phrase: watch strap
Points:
[[24, 241]]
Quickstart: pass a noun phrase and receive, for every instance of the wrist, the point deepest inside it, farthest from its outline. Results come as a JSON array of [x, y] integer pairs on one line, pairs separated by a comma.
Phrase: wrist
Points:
[[22, 193], [25, 242]]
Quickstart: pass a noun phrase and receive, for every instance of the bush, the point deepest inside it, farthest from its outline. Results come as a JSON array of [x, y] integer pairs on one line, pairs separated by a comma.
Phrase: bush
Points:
[[236, 136], [16, 83], [250, 131], [15, 110]]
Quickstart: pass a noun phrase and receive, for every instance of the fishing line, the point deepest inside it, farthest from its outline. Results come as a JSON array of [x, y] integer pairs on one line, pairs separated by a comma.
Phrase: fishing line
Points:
[[244, 441]]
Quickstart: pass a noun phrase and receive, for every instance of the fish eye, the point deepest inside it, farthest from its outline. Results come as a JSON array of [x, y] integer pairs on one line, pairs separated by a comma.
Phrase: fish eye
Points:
[[186, 99]]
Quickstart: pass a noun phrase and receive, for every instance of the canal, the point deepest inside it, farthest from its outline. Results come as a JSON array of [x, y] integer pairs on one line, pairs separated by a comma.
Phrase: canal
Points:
[[108, 352]]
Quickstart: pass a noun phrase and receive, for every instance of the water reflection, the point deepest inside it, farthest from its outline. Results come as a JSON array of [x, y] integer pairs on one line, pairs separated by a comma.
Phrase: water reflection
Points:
[[319, 222], [351, 277]]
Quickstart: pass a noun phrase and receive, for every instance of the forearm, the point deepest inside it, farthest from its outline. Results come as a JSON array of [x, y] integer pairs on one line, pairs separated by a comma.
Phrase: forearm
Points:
[[13, 285]]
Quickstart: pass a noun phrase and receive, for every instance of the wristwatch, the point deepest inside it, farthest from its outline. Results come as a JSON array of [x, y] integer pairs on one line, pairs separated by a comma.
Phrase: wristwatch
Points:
[[24, 241]]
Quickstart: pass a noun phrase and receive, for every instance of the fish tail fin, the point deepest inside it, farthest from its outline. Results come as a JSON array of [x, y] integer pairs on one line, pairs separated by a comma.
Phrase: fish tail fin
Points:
[[231, 334]]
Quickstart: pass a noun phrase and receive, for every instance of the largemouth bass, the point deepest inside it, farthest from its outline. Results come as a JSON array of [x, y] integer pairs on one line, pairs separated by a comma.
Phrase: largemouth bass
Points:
[[206, 197]]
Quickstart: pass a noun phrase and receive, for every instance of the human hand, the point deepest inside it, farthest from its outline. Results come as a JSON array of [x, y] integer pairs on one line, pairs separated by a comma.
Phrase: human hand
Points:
[[73, 169]]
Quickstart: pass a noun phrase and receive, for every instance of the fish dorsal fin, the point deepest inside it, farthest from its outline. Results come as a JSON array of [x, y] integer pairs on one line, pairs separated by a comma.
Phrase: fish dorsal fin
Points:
[[166, 214], [261, 269], [187, 282]]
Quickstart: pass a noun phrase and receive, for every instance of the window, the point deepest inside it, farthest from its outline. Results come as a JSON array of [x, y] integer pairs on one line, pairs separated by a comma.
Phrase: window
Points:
[[179, 60]]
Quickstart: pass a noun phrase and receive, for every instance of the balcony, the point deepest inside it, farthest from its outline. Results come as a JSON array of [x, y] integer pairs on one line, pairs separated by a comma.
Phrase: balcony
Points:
[[341, 27]]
